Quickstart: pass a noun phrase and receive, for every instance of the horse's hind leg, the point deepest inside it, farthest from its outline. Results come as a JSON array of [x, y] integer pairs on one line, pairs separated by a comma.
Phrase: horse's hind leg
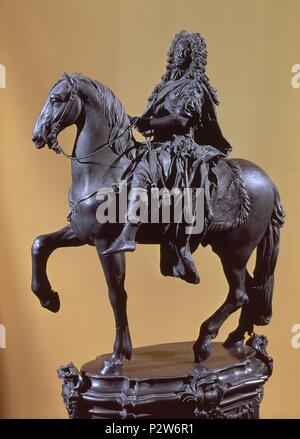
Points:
[[235, 270], [114, 271], [42, 248], [236, 337]]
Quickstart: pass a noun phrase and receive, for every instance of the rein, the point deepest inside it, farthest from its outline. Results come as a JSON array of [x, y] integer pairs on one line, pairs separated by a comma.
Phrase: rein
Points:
[[59, 150]]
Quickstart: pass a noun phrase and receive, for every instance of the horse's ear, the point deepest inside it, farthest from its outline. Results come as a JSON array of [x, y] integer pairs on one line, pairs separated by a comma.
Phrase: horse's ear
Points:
[[68, 78]]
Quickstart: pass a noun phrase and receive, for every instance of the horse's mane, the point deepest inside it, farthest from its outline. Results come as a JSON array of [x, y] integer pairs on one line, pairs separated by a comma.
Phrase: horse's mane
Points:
[[114, 112]]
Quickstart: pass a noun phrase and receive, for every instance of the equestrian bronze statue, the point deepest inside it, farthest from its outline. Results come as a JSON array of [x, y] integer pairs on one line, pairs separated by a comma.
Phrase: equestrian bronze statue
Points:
[[184, 151]]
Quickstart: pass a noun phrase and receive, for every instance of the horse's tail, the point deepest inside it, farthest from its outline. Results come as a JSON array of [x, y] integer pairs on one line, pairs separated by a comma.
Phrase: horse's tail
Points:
[[260, 286]]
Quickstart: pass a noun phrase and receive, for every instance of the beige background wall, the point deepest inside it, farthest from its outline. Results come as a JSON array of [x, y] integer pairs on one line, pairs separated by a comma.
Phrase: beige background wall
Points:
[[252, 46]]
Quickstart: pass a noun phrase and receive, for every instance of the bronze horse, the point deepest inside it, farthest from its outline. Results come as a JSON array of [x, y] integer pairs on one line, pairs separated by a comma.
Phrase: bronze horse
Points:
[[99, 159]]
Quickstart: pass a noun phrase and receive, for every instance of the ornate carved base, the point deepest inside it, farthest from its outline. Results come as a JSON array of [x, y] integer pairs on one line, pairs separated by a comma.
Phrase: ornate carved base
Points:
[[161, 381]]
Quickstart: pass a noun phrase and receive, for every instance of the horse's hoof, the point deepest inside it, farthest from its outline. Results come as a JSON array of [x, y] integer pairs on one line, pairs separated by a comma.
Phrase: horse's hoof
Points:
[[232, 342], [111, 367], [52, 303], [202, 352], [128, 354]]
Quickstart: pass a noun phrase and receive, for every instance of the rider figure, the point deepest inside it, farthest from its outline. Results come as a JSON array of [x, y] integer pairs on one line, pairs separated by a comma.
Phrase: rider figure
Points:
[[181, 116]]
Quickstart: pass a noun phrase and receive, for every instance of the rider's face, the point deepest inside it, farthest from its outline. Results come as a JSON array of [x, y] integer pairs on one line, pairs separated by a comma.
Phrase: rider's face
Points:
[[182, 55]]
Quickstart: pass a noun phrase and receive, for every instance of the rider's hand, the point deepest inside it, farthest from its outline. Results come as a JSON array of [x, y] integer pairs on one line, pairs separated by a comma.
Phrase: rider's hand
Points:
[[142, 124]]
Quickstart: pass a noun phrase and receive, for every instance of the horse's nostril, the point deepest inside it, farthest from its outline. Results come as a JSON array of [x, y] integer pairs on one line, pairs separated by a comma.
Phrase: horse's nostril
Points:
[[38, 140]]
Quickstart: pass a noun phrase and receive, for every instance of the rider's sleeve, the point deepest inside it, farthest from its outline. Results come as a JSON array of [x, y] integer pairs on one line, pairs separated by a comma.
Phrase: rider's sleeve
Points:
[[192, 103]]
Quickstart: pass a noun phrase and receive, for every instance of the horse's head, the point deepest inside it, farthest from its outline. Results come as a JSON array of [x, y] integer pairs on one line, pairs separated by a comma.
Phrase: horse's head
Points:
[[77, 99], [62, 108]]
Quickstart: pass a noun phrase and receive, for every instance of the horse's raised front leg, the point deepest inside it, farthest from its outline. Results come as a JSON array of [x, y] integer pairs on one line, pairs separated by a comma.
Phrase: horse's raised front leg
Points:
[[42, 248], [114, 271], [237, 297]]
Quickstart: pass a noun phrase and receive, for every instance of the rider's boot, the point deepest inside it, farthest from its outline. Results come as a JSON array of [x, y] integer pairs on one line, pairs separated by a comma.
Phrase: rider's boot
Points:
[[126, 240]]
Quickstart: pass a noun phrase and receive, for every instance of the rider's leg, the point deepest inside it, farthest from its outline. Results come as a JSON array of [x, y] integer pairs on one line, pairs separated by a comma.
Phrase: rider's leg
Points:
[[138, 202], [126, 241]]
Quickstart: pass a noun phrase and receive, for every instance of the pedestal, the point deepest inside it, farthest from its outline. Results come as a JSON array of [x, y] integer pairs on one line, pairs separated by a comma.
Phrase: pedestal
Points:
[[162, 381]]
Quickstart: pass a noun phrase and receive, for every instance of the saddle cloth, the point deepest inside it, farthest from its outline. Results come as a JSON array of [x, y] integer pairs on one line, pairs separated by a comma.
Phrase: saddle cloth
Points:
[[230, 203]]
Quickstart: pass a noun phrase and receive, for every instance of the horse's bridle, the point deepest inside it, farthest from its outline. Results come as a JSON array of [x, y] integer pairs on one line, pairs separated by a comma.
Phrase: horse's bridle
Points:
[[57, 125]]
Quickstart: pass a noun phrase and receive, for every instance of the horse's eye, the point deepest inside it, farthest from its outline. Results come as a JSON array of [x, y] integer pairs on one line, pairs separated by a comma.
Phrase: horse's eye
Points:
[[56, 99]]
